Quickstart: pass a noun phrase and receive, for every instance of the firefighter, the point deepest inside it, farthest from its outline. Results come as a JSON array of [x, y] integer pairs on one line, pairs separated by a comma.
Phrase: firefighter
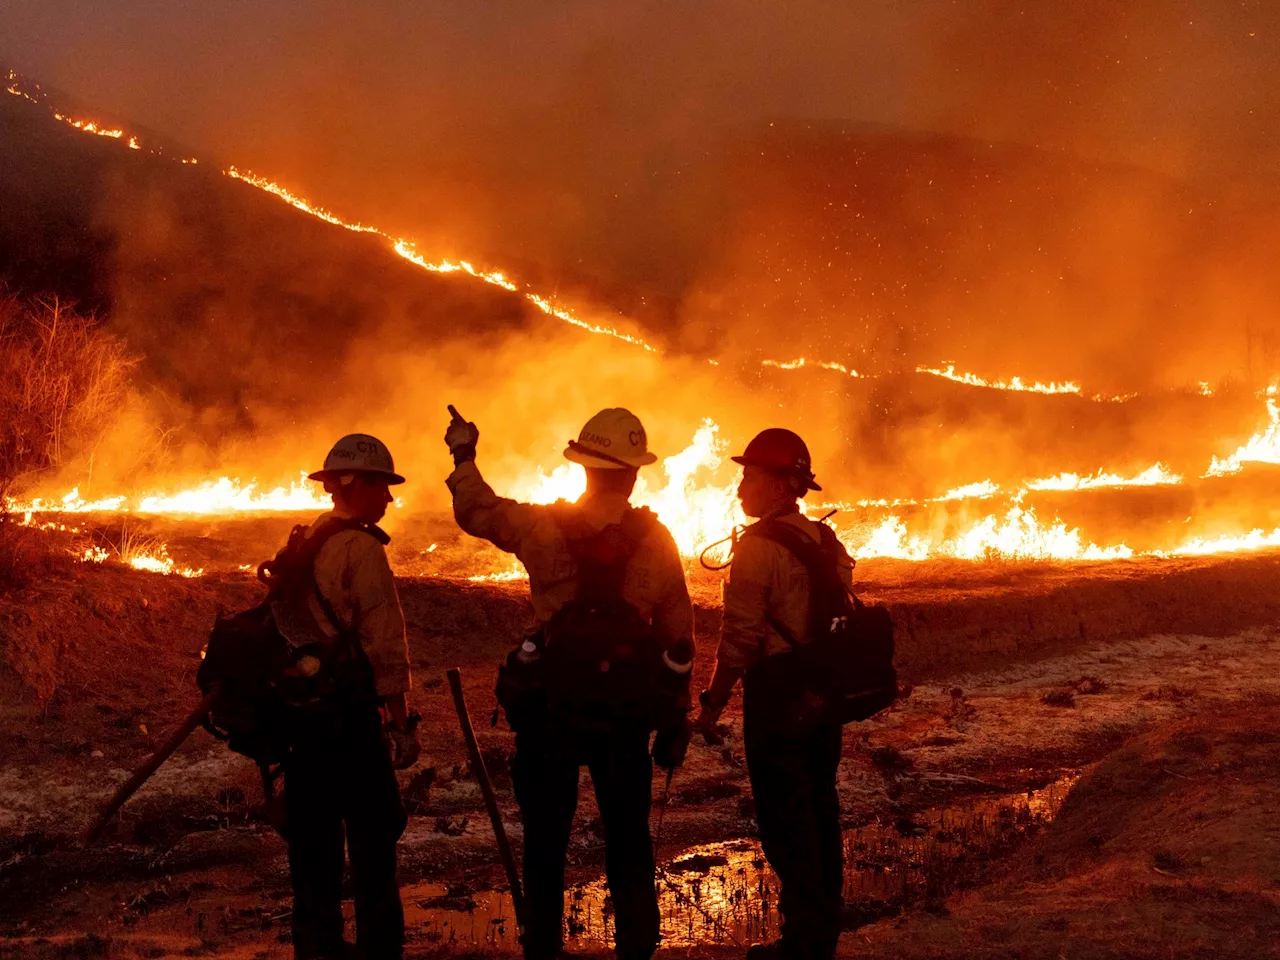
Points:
[[345, 748], [571, 551], [792, 769]]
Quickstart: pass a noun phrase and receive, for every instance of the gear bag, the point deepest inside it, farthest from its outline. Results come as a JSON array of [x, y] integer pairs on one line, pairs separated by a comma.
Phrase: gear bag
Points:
[[597, 663], [844, 664], [265, 682]]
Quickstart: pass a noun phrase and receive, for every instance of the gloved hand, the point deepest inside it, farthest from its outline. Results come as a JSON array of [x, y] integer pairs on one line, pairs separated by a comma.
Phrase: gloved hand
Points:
[[708, 716], [405, 748], [462, 437], [671, 744]]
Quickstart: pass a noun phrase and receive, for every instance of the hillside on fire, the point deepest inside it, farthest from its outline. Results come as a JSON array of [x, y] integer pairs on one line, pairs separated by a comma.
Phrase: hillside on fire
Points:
[[280, 293], [882, 253]]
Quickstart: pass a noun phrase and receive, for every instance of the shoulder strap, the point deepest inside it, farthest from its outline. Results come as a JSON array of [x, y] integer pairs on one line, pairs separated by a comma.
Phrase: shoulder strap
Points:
[[286, 572], [818, 559], [321, 536]]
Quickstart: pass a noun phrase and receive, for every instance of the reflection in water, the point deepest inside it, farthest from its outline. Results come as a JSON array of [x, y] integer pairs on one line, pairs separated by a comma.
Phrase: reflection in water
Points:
[[724, 893]]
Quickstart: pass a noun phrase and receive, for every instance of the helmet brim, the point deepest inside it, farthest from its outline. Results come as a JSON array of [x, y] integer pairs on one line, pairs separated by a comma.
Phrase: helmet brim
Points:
[[323, 475], [743, 461], [579, 455]]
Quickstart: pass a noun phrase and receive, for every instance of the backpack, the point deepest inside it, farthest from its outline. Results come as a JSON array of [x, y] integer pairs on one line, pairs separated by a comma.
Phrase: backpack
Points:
[[264, 681], [597, 663], [845, 661]]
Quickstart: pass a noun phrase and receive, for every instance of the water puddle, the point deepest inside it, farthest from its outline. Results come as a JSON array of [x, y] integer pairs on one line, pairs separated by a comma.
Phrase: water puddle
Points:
[[724, 893]]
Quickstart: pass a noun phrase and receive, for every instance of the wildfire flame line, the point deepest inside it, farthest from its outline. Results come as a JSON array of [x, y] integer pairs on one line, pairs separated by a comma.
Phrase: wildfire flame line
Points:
[[404, 248], [1014, 383], [149, 559], [1155, 475], [407, 250], [800, 363], [221, 496]]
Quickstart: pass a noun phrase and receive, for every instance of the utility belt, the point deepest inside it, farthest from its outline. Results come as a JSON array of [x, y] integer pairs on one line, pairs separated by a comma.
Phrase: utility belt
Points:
[[537, 688], [326, 678]]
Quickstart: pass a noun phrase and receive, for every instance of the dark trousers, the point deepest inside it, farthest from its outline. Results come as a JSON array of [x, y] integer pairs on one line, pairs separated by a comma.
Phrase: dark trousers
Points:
[[793, 779], [545, 774], [337, 776]]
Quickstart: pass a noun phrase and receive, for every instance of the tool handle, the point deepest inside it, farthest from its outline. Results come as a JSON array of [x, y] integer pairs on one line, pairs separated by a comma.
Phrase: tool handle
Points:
[[144, 772], [486, 789]]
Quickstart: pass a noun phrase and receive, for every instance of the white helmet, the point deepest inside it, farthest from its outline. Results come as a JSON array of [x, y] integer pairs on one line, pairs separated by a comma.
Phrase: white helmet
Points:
[[613, 439], [358, 453]]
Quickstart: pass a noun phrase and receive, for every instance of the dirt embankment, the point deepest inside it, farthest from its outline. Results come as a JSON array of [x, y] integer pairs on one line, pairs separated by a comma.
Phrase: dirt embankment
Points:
[[1169, 848]]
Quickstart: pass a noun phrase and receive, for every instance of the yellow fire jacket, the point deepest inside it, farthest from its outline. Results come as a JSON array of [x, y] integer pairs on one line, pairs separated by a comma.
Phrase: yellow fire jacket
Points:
[[353, 575], [654, 583], [767, 581]]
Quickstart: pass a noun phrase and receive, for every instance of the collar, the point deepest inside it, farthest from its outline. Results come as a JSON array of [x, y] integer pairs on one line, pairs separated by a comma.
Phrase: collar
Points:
[[783, 511], [603, 508], [337, 513]]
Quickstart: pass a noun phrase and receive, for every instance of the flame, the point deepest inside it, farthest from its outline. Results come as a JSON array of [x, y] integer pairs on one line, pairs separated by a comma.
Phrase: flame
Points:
[[695, 510], [152, 559], [230, 496], [70, 502], [980, 490], [1019, 534], [889, 539], [28, 520], [88, 126], [1155, 475], [1254, 540], [220, 496], [515, 572], [1014, 383], [95, 555], [800, 363], [1263, 447], [262, 183]]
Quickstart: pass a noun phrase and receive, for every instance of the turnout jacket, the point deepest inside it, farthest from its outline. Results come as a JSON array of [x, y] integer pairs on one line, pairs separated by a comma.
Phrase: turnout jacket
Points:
[[654, 583], [767, 582], [352, 573]]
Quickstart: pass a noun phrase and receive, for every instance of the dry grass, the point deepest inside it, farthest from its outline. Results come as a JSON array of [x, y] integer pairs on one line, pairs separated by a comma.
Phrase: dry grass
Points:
[[27, 555], [63, 379]]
